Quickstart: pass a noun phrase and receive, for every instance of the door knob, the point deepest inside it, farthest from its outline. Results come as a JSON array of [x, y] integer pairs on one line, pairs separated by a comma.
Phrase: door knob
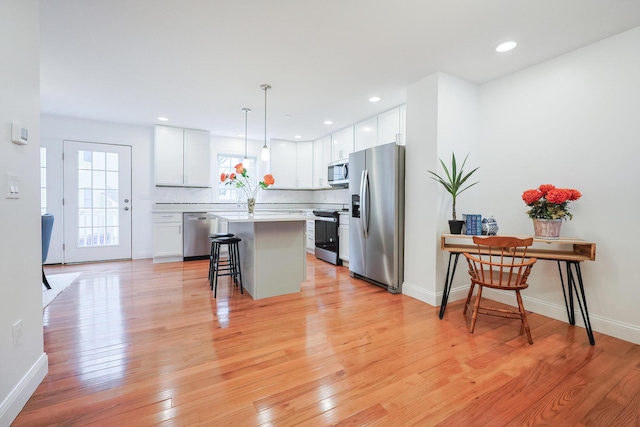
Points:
[[126, 200], [126, 208]]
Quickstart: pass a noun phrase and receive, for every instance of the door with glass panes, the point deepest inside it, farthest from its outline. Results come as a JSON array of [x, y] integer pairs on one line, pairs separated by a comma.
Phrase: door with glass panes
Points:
[[97, 202]]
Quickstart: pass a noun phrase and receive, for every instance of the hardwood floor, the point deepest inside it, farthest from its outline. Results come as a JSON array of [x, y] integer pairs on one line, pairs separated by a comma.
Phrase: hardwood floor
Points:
[[133, 343]]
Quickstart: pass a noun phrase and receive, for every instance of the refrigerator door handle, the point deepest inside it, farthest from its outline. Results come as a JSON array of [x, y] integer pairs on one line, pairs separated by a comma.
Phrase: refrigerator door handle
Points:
[[364, 202]]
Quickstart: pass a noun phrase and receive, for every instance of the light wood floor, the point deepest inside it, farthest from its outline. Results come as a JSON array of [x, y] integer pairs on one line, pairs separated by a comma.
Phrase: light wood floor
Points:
[[133, 343]]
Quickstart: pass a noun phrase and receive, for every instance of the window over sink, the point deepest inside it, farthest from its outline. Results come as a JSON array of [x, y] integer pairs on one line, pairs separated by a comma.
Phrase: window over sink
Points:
[[226, 164]]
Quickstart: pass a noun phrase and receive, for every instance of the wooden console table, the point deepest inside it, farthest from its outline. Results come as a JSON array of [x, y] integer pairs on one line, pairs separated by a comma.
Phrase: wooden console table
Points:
[[571, 251]]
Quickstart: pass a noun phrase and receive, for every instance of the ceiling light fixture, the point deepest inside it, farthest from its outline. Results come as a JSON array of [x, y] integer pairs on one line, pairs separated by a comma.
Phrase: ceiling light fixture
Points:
[[298, 136], [506, 46], [163, 119], [374, 99], [264, 154], [328, 122], [245, 161]]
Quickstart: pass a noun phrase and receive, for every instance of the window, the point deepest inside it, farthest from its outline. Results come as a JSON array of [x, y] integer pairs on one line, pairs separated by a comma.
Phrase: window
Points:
[[98, 211], [226, 164], [43, 180]]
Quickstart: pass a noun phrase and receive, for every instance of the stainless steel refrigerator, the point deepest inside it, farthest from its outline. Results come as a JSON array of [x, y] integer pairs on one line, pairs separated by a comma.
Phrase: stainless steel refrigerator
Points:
[[376, 215]]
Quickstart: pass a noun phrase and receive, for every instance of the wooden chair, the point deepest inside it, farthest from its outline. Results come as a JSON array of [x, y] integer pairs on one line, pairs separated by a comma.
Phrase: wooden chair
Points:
[[499, 263]]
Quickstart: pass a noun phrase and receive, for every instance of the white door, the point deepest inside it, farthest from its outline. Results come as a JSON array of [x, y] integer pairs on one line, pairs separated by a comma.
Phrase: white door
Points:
[[97, 202]]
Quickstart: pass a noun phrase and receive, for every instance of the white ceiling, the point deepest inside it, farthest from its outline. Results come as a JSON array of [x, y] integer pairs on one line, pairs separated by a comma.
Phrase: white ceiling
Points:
[[199, 62]]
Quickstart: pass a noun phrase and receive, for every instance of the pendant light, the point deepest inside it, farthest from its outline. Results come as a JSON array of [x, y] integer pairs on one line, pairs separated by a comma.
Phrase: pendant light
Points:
[[245, 161], [264, 154]]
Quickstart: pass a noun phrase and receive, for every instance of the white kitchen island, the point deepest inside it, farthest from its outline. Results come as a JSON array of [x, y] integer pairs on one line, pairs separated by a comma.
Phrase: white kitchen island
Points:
[[272, 251]]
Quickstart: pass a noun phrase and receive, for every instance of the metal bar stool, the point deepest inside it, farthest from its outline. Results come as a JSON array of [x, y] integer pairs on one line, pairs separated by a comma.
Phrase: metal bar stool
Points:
[[229, 266], [211, 255]]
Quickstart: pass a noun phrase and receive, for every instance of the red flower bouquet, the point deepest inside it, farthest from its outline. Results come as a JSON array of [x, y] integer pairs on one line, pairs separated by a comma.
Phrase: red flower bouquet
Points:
[[241, 180], [549, 202]]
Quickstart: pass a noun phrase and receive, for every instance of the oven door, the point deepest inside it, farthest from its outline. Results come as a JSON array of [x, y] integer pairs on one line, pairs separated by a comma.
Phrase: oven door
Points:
[[327, 240]]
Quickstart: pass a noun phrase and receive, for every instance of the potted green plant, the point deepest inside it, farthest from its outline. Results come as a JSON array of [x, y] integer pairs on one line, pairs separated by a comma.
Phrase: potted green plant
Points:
[[454, 184]]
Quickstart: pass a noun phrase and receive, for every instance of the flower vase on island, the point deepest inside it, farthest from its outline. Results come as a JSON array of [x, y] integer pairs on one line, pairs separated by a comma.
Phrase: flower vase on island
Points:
[[549, 207], [241, 180]]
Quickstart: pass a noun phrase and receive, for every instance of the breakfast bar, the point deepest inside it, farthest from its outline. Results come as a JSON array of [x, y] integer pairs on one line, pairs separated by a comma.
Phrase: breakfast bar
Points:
[[272, 251]]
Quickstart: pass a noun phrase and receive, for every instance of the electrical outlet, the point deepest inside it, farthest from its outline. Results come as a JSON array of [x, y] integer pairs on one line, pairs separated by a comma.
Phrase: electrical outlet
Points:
[[17, 334]]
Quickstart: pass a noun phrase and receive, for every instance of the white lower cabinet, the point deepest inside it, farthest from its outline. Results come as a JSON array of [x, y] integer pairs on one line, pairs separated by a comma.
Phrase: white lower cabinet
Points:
[[167, 237], [343, 238], [311, 236]]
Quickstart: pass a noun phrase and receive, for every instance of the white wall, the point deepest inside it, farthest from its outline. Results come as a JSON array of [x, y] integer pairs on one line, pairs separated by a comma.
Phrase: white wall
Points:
[[572, 122], [21, 368], [421, 214], [56, 129], [442, 117]]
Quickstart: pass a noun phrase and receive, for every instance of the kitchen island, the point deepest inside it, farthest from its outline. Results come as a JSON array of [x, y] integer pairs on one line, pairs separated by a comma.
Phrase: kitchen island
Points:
[[272, 251]]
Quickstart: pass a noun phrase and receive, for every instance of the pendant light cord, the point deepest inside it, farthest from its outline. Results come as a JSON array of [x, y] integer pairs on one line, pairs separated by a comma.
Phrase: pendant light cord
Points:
[[246, 111], [265, 87]]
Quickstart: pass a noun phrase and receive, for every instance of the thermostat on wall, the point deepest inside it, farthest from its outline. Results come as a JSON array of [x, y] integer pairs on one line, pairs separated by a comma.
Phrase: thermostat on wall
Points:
[[19, 135]]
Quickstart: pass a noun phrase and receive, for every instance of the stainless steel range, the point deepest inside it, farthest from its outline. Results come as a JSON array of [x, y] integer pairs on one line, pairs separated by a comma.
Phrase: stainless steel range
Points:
[[326, 233]]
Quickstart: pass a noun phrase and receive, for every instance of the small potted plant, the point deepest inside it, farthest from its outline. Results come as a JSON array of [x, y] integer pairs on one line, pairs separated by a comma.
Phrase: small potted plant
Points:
[[454, 184], [549, 206]]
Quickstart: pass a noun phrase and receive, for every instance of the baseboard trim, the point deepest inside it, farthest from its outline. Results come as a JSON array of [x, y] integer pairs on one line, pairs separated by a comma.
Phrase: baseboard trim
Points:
[[421, 294], [15, 401], [601, 324]]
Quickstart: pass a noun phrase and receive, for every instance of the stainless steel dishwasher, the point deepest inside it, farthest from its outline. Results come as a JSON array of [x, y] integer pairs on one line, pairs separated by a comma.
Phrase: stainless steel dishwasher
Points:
[[197, 227]]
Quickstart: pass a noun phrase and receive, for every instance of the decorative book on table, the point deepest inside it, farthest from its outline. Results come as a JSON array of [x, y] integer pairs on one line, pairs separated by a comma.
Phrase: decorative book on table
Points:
[[473, 224]]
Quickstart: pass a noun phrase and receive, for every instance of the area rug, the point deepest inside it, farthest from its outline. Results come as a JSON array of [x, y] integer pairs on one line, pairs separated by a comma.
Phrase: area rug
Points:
[[58, 283]]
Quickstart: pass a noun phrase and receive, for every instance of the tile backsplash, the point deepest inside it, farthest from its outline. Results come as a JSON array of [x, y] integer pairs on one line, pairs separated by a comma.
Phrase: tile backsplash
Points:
[[182, 195]]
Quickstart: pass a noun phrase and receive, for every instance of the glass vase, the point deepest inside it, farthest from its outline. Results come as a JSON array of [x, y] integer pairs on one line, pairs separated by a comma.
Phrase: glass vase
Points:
[[251, 205], [547, 228]]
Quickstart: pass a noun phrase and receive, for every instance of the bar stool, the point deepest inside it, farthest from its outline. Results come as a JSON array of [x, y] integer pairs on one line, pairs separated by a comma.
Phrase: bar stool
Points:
[[229, 266], [211, 258]]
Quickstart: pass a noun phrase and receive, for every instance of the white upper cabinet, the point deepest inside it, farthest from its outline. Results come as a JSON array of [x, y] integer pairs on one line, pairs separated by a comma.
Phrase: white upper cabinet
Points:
[[182, 157], [321, 159], [197, 158], [292, 164], [367, 134], [342, 144], [169, 156], [283, 163], [389, 126], [304, 164]]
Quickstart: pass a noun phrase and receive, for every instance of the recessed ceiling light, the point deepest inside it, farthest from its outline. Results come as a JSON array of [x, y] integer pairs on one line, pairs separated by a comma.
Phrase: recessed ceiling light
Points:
[[367, 129], [298, 136], [374, 99], [163, 119], [506, 46], [328, 122]]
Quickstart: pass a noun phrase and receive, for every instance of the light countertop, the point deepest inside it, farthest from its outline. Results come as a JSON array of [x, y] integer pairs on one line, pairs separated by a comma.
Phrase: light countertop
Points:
[[262, 216]]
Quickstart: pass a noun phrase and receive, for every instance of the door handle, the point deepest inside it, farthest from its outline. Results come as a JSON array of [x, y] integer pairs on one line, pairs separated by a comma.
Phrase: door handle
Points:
[[126, 208], [126, 200]]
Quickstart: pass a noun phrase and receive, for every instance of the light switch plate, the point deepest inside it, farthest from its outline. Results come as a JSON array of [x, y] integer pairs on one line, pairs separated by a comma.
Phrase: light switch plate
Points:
[[11, 186]]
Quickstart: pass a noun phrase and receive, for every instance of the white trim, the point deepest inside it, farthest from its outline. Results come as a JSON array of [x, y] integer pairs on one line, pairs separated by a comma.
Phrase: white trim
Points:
[[603, 325], [421, 294], [15, 401]]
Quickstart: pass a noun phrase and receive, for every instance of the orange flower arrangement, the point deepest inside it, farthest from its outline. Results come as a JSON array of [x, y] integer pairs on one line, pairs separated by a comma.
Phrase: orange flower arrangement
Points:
[[549, 202], [241, 180]]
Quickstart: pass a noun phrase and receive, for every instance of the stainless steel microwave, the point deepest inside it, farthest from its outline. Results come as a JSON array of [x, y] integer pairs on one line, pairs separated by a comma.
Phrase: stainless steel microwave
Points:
[[338, 175]]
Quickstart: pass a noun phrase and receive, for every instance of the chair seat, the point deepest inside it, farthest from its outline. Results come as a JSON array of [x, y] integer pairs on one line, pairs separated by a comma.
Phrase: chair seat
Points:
[[496, 279], [218, 235]]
